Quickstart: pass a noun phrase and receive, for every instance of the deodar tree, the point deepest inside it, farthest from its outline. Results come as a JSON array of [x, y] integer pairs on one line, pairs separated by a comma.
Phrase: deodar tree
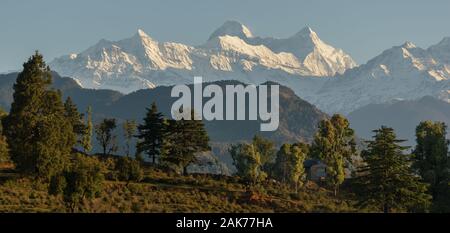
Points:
[[76, 120], [150, 133], [183, 140], [387, 181], [432, 163], [39, 135]]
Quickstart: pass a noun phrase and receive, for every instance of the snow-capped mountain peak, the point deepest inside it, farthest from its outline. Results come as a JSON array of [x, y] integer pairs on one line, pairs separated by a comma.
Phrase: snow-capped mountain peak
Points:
[[309, 40], [307, 33], [306, 30], [232, 28], [142, 34], [405, 71], [140, 37], [441, 51], [408, 45], [303, 62], [97, 48], [232, 51]]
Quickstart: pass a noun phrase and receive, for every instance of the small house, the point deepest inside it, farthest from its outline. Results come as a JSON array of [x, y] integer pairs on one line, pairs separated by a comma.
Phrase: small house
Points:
[[316, 170]]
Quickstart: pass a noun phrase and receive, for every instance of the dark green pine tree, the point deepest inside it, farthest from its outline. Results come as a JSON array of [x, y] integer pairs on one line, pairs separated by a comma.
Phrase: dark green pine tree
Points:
[[38, 134], [432, 163], [150, 133], [75, 118], [185, 138], [387, 181]]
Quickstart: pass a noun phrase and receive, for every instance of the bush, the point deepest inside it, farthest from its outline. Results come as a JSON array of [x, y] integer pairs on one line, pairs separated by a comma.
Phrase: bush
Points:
[[129, 170], [82, 179]]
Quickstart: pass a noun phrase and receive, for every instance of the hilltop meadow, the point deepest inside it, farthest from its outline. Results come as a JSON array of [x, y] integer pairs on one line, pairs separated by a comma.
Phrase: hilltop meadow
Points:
[[48, 164]]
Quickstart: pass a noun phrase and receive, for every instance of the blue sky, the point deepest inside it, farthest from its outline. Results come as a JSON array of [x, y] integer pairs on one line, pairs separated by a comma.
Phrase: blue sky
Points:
[[363, 28]]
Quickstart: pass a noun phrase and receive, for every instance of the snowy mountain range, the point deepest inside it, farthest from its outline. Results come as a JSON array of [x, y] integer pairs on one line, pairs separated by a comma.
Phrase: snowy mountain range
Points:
[[316, 71], [404, 72], [231, 52]]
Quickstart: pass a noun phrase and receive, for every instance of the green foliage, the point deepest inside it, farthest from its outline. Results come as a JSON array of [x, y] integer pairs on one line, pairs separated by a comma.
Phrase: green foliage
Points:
[[289, 165], [183, 139], [75, 118], [163, 193], [86, 141], [57, 184], [432, 163], [129, 128], [3, 114], [139, 157], [151, 133], [129, 169], [266, 149], [105, 136], [247, 161], [38, 134], [304, 147], [82, 179], [4, 150], [387, 181], [334, 144]]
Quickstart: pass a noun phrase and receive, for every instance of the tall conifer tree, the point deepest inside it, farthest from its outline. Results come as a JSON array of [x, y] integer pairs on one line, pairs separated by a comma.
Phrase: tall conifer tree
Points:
[[387, 181], [185, 138], [150, 133], [432, 163], [38, 133], [76, 119]]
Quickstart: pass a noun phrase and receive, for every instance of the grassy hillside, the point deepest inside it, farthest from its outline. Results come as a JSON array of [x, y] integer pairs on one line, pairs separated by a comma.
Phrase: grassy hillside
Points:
[[161, 192]]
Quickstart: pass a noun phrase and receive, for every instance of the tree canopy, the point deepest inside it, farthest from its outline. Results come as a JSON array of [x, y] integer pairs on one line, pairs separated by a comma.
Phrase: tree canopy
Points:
[[334, 143], [387, 181], [39, 134]]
